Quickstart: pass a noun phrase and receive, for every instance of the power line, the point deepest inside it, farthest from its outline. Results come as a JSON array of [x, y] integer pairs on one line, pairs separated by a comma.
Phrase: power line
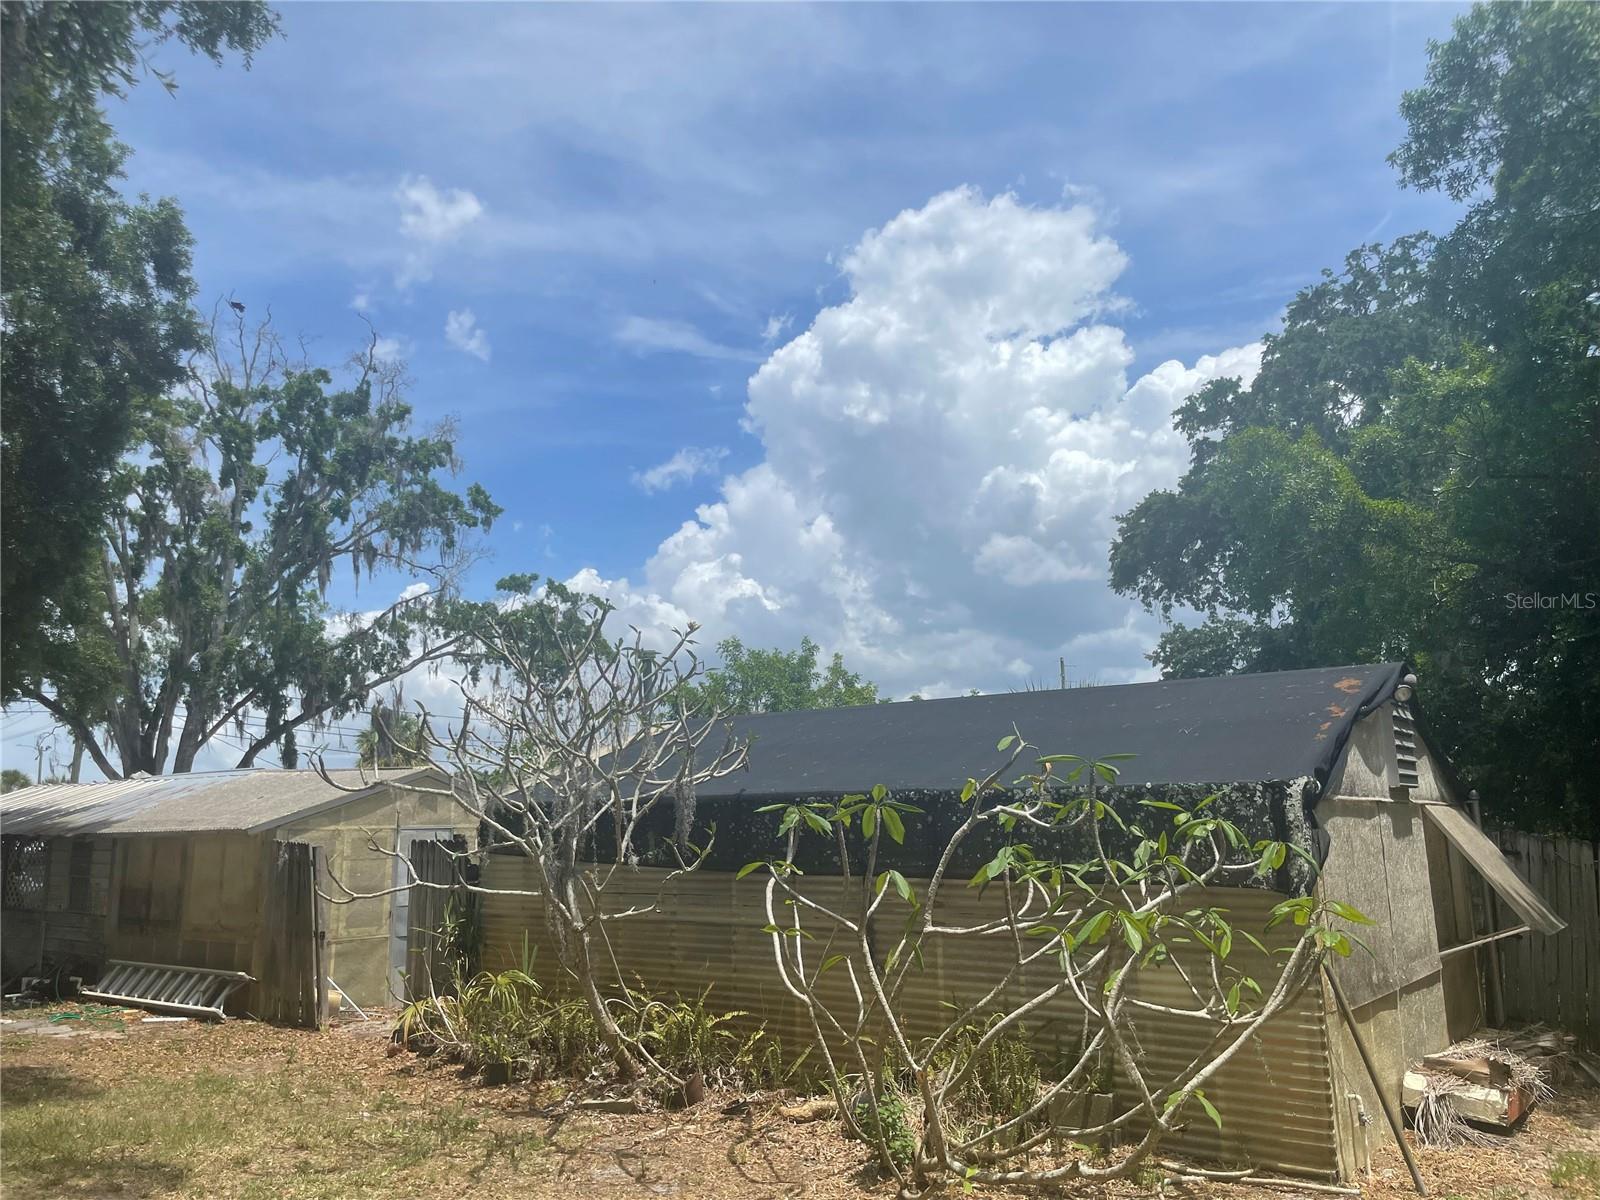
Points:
[[249, 719]]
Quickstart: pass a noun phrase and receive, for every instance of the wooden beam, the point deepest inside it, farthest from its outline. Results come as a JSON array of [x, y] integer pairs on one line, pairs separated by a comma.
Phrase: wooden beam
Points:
[[1385, 1100]]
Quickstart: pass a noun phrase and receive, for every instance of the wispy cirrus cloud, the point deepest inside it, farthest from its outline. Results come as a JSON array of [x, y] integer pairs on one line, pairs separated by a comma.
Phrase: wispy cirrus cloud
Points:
[[652, 335], [686, 465]]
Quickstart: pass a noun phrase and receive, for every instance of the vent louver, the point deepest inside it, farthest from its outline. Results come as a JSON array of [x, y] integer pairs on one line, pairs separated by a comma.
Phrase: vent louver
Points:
[[1405, 745]]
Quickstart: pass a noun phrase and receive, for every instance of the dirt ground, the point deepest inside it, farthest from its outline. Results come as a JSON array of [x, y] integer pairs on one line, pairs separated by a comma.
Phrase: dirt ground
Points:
[[105, 1103]]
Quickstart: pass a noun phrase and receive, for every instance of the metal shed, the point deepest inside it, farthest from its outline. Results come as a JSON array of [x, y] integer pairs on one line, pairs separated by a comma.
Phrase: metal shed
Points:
[[1332, 759], [179, 870]]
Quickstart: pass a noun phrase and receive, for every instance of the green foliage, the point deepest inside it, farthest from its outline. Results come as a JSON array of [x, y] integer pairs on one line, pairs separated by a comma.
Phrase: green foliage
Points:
[[509, 1019], [1087, 924], [11, 779], [96, 290], [889, 1128], [1418, 460], [393, 738], [757, 681], [250, 488], [1002, 1080]]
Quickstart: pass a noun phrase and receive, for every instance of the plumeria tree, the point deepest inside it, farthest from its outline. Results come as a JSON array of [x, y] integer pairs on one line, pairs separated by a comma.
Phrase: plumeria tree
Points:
[[574, 750], [1090, 887]]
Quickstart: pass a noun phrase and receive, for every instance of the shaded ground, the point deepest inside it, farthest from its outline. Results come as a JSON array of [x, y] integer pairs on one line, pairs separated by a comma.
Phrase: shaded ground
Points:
[[116, 1106]]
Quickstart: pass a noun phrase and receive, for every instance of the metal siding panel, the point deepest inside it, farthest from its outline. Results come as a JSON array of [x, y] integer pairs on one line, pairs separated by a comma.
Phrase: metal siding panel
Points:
[[196, 801], [1275, 1097]]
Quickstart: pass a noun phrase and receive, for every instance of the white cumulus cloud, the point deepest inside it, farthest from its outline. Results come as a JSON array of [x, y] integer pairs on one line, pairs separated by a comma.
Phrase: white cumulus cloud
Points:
[[946, 451], [686, 465], [430, 218], [461, 331], [433, 215]]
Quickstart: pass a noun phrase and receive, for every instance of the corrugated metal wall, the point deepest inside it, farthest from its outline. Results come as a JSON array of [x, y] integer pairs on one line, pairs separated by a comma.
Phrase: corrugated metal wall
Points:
[[1275, 1096]]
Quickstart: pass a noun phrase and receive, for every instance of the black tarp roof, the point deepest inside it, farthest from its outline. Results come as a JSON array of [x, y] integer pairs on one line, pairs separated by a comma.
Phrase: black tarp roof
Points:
[[1280, 726]]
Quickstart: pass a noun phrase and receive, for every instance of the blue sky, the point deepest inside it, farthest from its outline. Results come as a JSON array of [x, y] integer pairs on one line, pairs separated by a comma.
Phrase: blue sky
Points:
[[954, 241]]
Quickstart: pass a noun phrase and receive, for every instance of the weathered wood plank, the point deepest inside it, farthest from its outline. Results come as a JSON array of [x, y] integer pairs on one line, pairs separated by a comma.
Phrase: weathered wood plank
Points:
[[1556, 979]]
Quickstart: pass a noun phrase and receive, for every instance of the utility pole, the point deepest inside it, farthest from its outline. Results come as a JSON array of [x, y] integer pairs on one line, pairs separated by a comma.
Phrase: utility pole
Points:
[[40, 745]]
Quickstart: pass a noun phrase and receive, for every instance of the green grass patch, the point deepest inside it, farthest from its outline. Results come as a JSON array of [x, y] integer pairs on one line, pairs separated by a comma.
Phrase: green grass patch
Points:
[[1577, 1171], [270, 1129]]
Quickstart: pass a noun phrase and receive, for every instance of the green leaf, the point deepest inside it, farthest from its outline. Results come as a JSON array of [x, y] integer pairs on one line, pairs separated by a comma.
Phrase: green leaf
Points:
[[1211, 1109], [1005, 742], [869, 822], [1095, 928], [748, 867], [895, 826], [1131, 933], [1348, 911], [879, 792]]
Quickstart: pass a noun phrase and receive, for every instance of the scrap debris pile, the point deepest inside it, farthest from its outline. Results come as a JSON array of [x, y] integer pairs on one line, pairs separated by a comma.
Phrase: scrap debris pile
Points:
[[1476, 1089]]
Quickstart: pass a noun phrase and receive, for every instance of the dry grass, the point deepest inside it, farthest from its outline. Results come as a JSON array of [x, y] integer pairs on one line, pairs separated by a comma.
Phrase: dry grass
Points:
[[245, 1110], [240, 1111]]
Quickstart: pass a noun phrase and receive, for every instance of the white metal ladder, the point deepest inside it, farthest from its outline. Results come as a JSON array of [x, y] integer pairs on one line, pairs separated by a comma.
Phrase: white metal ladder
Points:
[[197, 990]]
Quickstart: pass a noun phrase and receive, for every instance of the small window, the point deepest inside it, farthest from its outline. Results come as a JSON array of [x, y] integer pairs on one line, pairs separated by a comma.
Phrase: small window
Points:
[[25, 859]]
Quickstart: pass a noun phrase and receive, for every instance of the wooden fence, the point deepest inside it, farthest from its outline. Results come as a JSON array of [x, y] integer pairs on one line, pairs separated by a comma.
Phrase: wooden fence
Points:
[[435, 862], [293, 984], [1556, 978]]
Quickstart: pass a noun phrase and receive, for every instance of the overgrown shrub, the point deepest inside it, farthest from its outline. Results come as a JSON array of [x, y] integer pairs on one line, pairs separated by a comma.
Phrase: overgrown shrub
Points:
[[890, 1129], [508, 1019]]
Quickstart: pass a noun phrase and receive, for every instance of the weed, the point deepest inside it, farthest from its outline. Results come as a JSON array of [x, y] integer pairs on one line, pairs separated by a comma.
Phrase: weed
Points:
[[1577, 1171], [896, 1138], [508, 1019], [1002, 1079]]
